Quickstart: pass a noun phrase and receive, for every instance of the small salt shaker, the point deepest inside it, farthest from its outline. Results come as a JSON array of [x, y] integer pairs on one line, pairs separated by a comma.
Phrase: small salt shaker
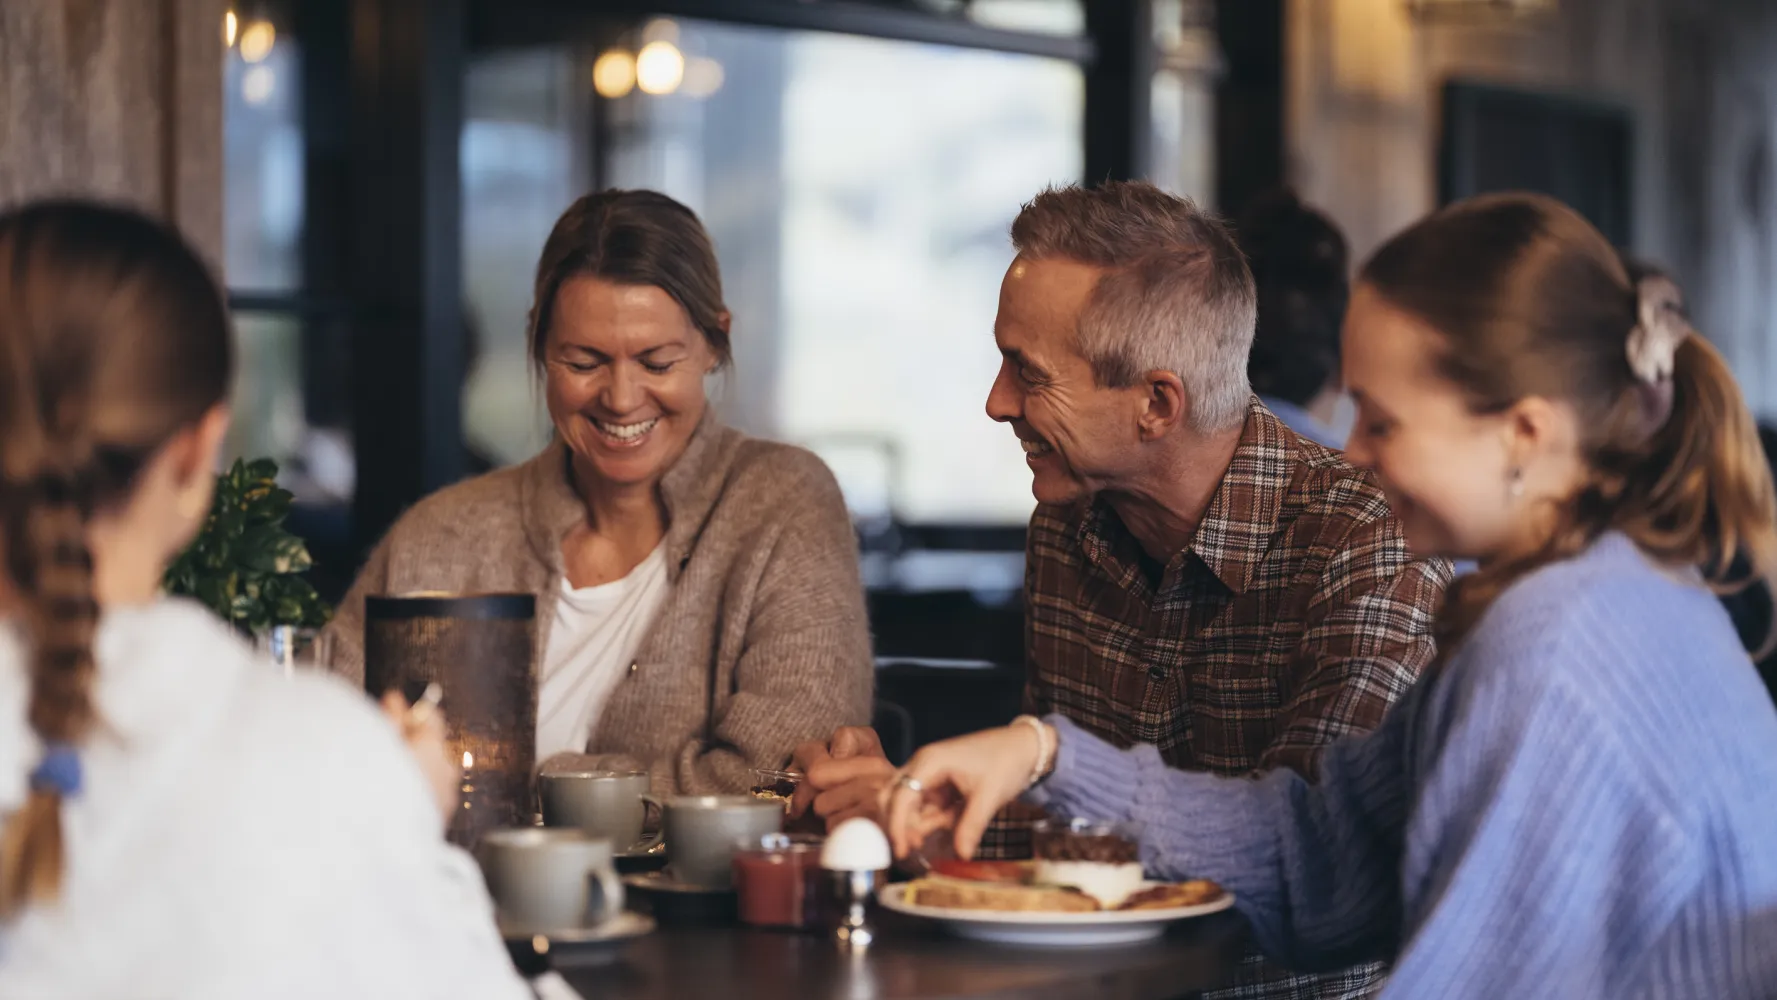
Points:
[[855, 855]]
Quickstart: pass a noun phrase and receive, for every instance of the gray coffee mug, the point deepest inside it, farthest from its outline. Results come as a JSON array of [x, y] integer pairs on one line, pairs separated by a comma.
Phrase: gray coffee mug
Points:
[[545, 881], [608, 804], [702, 831]]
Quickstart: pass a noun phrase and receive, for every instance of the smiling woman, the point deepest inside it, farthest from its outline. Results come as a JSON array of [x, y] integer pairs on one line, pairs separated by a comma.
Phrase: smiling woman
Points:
[[627, 321], [698, 590]]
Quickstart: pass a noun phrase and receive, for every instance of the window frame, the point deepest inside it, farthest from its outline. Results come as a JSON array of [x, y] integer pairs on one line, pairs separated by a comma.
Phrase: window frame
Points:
[[495, 24], [382, 112]]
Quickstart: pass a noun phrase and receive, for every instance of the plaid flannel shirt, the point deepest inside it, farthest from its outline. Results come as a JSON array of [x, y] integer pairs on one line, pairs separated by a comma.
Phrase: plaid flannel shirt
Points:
[[1293, 618]]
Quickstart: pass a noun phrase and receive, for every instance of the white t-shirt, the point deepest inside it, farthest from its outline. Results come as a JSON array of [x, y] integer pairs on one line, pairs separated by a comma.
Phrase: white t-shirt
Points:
[[239, 834], [592, 642]]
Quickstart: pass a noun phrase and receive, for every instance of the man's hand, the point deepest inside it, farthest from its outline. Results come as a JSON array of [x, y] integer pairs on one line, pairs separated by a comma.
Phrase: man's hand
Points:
[[852, 786], [841, 778]]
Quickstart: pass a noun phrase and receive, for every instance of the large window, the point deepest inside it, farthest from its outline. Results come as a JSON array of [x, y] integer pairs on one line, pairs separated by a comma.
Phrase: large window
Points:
[[281, 333], [859, 192], [525, 150], [1184, 99]]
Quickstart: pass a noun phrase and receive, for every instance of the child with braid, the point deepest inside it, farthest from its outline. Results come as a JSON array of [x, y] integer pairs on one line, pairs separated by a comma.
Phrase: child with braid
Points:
[[176, 820]]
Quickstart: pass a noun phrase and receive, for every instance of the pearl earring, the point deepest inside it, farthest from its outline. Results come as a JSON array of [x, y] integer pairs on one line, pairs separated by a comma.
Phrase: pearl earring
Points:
[[1515, 487]]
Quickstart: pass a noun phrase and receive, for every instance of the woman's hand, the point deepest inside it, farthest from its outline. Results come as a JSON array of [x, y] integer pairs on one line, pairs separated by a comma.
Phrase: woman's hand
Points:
[[422, 726], [960, 784]]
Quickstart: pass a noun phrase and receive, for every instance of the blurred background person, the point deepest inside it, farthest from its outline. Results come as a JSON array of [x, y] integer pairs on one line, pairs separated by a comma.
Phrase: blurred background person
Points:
[[172, 808], [1301, 270], [1751, 607], [699, 601]]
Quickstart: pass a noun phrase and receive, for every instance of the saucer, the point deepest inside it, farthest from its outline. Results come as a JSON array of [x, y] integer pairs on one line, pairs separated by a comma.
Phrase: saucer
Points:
[[663, 881], [673, 901], [581, 945], [640, 862]]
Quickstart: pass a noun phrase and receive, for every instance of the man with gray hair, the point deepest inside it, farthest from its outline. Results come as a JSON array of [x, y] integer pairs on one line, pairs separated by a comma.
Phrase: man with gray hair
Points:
[[1198, 577]]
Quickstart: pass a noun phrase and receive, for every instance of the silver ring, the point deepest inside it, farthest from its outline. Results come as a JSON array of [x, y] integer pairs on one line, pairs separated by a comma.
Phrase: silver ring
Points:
[[910, 783]]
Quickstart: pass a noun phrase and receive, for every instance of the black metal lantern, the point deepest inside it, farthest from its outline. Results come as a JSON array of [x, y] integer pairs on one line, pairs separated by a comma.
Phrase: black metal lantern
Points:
[[478, 648]]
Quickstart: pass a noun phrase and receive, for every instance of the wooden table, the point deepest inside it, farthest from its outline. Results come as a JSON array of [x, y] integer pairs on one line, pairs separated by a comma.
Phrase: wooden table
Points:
[[909, 961]]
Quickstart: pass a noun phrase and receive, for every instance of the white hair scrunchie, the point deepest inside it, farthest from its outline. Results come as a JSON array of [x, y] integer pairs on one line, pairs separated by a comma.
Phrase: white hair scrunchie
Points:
[[1661, 327]]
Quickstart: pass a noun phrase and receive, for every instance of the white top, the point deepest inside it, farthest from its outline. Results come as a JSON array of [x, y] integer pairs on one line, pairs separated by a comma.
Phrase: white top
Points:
[[239, 834], [592, 643]]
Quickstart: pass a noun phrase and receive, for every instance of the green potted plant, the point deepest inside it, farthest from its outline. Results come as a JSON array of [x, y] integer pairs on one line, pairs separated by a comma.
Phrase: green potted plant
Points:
[[247, 568]]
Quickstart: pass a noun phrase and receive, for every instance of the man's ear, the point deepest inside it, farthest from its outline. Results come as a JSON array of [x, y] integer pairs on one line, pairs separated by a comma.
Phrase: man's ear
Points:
[[1164, 404]]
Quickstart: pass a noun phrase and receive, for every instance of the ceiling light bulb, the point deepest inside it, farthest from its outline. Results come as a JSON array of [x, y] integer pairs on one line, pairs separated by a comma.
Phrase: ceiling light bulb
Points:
[[703, 77], [257, 84], [257, 41], [660, 68], [614, 74]]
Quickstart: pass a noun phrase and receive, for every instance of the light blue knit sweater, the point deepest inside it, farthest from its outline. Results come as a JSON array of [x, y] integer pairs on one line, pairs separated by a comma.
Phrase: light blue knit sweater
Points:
[[1581, 804]]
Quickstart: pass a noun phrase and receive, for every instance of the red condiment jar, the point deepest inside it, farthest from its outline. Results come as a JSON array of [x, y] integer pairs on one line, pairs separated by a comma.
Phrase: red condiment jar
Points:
[[778, 880]]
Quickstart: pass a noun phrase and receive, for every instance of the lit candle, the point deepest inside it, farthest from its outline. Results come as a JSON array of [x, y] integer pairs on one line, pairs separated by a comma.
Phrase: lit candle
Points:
[[462, 831]]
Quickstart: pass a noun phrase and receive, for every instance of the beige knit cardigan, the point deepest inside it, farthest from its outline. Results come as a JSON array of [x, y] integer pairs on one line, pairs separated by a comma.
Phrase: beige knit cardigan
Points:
[[761, 643]]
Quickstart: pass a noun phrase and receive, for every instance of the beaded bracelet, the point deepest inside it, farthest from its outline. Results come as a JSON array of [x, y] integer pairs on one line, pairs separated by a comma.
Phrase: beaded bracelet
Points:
[[1045, 748]]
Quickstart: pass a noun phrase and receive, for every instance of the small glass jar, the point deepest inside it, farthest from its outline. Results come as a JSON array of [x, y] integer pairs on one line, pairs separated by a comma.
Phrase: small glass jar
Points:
[[1100, 859], [778, 786], [1079, 839], [291, 647], [778, 880]]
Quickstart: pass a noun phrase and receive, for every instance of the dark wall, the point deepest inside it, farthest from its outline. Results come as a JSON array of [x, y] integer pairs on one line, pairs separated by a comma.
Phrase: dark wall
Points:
[[1249, 102], [1508, 139]]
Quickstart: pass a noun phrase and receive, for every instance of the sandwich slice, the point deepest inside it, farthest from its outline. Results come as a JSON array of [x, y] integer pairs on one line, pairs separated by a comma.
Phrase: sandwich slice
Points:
[[1001, 897]]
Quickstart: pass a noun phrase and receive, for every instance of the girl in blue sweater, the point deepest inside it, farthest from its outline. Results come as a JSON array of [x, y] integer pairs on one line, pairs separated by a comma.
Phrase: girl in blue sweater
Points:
[[1578, 799]]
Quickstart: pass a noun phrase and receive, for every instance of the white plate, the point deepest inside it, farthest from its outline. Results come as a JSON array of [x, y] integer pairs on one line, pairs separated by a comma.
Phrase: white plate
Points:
[[1053, 929]]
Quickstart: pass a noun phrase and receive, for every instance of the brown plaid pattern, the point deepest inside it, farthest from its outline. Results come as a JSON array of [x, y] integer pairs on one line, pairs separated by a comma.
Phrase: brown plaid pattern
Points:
[[1294, 618]]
